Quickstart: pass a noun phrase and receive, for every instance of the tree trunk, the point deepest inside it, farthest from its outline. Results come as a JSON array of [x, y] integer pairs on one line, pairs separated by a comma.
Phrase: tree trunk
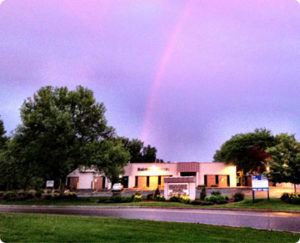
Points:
[[295, 189], [62, 186]]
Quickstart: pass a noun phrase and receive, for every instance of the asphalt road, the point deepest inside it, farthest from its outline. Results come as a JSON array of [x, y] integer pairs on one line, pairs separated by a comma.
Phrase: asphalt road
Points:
[[259, 220]]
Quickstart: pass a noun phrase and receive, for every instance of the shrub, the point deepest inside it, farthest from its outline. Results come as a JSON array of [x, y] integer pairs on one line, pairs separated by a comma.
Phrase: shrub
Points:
[[126, 199], [150, 196], [175, 198], [48, 197], [215, 193], [196, 202], [207, 203], [292, 198], [70, 195], [116, 198], [219, 199], [203, 193], [103, 199], [157, 192], [38, 194], [238, 196], [137, 198], [160, 198], [185, 199], [10, 196]]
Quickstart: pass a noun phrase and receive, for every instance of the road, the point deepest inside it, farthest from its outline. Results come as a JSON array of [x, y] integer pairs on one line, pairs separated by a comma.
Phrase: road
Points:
[[260, 220]]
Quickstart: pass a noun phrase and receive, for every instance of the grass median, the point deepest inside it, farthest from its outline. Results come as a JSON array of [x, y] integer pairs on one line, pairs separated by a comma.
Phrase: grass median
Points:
[[273, 204], [58, 228]]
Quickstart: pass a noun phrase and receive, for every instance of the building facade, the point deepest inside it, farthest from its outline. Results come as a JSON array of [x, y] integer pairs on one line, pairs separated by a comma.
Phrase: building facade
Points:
[[149, 176]]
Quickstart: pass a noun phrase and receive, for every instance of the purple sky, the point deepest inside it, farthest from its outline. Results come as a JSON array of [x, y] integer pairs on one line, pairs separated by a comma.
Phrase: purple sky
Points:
[[182, 75]]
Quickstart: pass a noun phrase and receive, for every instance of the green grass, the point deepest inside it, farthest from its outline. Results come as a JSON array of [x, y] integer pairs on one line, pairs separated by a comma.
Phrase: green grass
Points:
[[58, 228], [273, 204]]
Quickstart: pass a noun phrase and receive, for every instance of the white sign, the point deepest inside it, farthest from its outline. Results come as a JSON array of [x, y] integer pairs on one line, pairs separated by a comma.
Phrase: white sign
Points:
[[260, 182], [50, 183], [178, 189]]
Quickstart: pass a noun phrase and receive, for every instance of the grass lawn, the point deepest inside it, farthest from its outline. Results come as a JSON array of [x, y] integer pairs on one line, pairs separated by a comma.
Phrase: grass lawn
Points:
[[274, 204], [58, 228]]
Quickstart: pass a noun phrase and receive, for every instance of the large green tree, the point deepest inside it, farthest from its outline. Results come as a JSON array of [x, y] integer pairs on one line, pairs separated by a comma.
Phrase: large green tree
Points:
[[247, 151], [284, 163], [61, 130], [139, 152]]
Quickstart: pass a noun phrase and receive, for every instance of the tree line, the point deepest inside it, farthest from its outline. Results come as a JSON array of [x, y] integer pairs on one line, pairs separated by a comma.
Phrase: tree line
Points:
[[62, 130], [260, 152]]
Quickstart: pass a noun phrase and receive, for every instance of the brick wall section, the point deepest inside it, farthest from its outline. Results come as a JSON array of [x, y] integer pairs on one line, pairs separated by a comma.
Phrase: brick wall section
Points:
[[188, 167]]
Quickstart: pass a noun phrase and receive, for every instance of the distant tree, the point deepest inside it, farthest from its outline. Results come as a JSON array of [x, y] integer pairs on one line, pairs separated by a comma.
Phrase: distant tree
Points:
[[284, 163], [247, 151], [60, 130], [110, 158], [3, 138], [138, 152]]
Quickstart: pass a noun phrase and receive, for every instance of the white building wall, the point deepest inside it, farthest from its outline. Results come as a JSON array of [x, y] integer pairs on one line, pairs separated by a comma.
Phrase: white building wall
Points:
[[217, 168]]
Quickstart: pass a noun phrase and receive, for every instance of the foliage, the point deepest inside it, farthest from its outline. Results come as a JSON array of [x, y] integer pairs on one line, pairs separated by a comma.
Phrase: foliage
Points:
[[185, 199], [216, 193], [60, 131], [10, 196], [247, 151], [284, 163], [110, 157], [238, 196], [175, 198], [137, 198], [160, 198], [203, 193], [219, 199], [292, 198], [138, 152]]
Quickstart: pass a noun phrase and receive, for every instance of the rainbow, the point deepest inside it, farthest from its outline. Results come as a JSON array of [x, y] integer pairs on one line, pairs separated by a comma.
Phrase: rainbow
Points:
[[158, 77]]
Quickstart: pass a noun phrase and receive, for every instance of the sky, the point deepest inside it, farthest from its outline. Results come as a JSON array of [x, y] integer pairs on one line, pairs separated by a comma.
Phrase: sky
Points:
[[182, 75]]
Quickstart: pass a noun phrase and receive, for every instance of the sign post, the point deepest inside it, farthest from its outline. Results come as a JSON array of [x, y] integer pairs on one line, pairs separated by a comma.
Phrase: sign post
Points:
[[259, 183]]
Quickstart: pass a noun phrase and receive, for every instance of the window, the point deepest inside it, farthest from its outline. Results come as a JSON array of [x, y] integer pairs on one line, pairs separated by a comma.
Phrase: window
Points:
[[205, 180], [159, 180], [217, 179], [136, 181], [228, 180], [187, 173], [148, 181]]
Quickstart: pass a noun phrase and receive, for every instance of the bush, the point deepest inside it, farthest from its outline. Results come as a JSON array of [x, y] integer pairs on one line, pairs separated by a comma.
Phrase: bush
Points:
[[238, 196], [137, 198], [216, 193], [10, 196], [38, 194], [196, 202], [207, 203], [219, 199], [70, 195], [48, 197], [292, 198], [203, 193], [175, 198], [150, 196], [160, 198], [1, 194], [185, 199]]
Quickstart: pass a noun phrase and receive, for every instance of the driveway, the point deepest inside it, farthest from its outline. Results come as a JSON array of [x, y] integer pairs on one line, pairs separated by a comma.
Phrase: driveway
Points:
[[259, 220]]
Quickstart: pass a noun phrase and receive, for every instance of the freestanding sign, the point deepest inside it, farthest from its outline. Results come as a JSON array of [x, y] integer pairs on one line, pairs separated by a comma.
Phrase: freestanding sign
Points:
[[50, 184], [185, 186], [259, 183]]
